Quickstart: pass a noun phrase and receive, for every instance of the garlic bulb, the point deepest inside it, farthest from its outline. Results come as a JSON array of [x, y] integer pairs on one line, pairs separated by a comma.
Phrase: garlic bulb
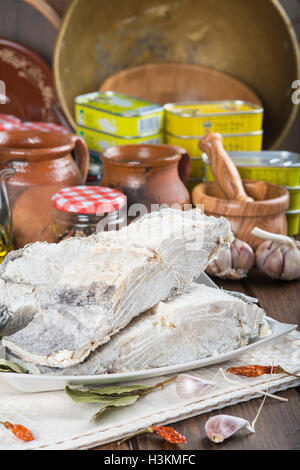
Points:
[[220, 427], [278, 256], [234, 262]]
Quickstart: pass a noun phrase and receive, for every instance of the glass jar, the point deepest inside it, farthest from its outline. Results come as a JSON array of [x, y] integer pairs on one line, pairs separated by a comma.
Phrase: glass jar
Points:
[[81, 211]]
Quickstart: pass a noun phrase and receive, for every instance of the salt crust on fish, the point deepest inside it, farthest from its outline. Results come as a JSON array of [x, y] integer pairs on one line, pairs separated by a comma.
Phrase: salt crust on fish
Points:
[[82, 291], [201, 322]]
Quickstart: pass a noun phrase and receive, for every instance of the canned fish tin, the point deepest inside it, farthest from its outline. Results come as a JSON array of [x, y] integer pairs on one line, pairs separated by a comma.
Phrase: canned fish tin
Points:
[[293, 220], [227, 117], [251, 141], [118, 114], [277, 167], [98, 141], [294, 197]]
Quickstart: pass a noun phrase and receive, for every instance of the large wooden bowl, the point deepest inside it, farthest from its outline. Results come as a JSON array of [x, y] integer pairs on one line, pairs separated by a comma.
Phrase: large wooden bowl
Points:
[[252, 41], [167, 83], [266, 212]]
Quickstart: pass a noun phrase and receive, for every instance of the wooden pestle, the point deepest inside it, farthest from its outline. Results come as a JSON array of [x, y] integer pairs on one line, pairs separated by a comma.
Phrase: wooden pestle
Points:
[[224, 170]]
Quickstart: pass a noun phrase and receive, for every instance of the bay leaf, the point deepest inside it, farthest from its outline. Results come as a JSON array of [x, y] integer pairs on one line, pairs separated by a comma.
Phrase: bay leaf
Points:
[[118, 402], [123, 390], [119, 390], [113, 397], [87, 396], [8, 366]]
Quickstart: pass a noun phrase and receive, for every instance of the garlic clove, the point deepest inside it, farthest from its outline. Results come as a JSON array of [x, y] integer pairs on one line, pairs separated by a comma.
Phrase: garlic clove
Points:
[[212, 269], [246, 257], [221, 427], [263, 250], [291, 269], [235, 253], [190, 386], [224, 260], [273, 265]]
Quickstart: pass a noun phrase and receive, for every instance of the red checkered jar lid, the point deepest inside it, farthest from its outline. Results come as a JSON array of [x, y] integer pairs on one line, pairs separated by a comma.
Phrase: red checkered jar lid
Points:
[[8, 118], [43, 126], [88, 200], [8, 122]]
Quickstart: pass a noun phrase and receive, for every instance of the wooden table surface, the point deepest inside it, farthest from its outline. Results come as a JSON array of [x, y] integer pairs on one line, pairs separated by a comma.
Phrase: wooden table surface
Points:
[[279, 424]]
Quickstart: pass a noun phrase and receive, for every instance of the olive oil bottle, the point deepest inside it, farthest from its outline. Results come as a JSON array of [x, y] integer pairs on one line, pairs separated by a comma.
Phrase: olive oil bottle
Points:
[[5, 242], [6, 236]]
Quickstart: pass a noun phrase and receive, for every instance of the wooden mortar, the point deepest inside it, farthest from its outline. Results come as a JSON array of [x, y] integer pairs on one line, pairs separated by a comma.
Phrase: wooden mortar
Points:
[[267, 211]]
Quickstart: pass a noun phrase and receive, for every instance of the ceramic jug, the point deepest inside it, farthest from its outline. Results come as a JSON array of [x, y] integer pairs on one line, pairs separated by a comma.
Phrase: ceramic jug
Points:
[[148, 174], [43, 164]]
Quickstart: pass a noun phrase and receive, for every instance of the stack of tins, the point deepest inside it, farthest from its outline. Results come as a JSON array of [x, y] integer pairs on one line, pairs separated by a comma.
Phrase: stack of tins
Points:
[[240, 124]]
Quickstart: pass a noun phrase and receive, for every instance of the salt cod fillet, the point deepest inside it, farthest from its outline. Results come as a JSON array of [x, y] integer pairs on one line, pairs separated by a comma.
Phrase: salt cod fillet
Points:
[[198, 323], [86, 290]]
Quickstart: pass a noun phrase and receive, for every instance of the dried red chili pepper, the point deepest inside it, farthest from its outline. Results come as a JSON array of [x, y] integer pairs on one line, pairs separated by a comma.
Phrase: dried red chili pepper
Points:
[[252, 371], [19, 431], [257, 370], [169, 434]]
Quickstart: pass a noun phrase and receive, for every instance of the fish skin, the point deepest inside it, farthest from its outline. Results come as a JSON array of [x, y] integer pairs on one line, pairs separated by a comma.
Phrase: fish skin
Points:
[[200, 322], [80, 300], [17, 306]]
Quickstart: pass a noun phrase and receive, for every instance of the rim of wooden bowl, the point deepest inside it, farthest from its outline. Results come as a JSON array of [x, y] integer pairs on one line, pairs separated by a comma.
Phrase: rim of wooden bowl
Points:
[[228, 207]]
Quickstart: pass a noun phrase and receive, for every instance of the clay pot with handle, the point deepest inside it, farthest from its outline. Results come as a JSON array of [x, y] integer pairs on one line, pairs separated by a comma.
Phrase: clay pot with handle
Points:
[[43, 164], [148, 174]]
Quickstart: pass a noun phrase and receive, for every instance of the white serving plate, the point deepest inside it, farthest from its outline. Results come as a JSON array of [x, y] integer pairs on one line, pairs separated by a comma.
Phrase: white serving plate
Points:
[[42, 383]]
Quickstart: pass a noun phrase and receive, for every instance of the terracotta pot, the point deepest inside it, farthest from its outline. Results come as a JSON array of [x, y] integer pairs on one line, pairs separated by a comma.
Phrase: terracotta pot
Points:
[[43, 165], [267, 211], [148, 174]]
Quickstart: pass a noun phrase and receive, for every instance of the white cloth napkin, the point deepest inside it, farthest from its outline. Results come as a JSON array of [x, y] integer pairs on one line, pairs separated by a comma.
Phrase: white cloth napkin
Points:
[[59, 423]]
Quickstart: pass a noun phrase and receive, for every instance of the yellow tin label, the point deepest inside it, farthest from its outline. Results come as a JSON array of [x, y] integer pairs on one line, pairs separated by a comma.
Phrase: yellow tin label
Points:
[[293, 220], [226, 117], [118, 114], [294, 199], [283, 176], [235, 142], [98, 141]]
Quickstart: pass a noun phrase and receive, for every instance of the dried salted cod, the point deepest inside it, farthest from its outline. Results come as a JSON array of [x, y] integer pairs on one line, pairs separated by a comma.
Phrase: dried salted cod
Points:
[[201, 322], [83, 298]]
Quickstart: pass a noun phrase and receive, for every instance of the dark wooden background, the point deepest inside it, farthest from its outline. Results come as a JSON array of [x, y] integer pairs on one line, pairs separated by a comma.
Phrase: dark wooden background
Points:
[[292, 141], [20, 24], [60, 5]]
